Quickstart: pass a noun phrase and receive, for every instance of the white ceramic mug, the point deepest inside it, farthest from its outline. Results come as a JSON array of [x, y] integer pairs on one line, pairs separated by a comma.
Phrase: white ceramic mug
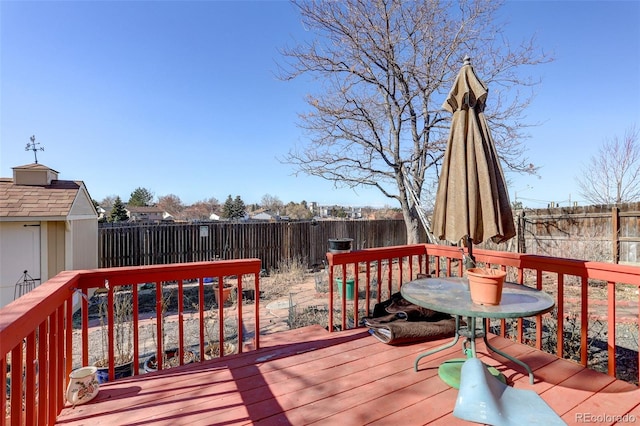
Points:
[[83, 385]]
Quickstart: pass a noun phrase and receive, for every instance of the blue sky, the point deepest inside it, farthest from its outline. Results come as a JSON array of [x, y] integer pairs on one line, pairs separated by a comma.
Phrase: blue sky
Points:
[[181, 97]]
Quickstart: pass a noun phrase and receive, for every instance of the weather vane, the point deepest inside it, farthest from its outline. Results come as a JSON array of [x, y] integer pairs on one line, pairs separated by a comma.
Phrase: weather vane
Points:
[[33, 146]]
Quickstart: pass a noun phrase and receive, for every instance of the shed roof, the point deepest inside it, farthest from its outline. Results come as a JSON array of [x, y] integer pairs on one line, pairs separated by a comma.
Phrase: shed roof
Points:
[[34, 166], [30, 201]]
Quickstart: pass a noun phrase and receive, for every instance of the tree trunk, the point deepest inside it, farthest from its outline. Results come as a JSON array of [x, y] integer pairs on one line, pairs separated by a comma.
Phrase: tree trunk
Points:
[[412, 223]]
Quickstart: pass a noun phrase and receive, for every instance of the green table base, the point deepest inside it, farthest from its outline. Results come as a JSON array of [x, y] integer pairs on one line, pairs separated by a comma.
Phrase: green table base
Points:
[[449, 372]]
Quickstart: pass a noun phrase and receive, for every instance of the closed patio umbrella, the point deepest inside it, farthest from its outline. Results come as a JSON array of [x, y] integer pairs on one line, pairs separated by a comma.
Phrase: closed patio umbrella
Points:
[[472, 203]]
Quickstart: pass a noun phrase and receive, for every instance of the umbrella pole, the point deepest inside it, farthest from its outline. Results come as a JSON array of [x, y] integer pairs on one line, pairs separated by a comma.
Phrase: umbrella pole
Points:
[[470, 260]]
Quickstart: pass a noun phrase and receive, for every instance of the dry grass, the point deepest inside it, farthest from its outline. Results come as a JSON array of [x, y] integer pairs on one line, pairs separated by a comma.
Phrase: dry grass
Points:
[[288, 274]]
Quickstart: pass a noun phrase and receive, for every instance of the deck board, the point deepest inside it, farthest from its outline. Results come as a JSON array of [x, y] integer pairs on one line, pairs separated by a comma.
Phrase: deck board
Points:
[[310, 376]]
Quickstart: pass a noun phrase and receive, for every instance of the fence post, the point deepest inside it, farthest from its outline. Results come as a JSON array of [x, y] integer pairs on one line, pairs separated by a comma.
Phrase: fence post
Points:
[[522, 246], [615, 231]]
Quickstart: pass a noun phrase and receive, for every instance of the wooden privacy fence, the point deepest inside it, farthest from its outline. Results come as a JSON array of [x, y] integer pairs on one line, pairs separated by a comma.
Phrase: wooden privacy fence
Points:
[[598, 233], [272, 242]]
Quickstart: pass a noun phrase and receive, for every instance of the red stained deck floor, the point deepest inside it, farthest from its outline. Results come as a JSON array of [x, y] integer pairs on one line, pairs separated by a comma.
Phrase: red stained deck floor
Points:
[[311, 376]]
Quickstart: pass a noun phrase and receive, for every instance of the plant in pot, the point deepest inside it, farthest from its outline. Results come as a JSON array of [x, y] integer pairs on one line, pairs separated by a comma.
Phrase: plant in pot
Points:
[[226, 289], [171, 356], [249, 289], [212, 347], [122, 334]]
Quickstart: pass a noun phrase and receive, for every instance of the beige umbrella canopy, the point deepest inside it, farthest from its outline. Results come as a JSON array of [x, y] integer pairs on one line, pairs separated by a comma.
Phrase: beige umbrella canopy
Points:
[[472, 202]]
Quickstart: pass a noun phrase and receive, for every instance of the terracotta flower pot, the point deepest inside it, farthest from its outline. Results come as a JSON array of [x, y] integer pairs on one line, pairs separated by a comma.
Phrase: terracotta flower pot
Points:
[[226, 292], [485, 285]]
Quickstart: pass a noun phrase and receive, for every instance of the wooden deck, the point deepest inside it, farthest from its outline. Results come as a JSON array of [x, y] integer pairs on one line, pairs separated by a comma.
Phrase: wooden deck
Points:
[[310, 376]]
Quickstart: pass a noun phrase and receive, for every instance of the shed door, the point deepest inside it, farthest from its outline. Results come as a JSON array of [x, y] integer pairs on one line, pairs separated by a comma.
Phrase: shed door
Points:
[[19, 252]]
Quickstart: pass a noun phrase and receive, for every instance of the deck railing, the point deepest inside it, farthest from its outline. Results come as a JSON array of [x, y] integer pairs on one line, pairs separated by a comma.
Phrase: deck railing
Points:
[[45, 334], [377, 273], [42, 343]]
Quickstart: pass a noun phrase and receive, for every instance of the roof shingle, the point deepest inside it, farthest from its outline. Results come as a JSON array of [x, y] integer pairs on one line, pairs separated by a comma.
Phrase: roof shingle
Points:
[[55, 199]]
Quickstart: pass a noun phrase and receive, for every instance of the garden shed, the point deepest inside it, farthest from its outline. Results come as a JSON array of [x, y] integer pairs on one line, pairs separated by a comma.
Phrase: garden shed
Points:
[[47, 225]]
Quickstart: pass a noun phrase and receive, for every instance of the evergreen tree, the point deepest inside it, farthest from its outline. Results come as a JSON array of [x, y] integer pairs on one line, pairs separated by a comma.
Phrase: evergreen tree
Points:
[[227, 208], [141, 197], [233, 208], [238, 208], [118, 212]]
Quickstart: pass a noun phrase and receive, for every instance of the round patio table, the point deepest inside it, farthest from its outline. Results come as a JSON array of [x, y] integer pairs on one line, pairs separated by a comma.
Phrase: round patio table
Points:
[[452, 296]]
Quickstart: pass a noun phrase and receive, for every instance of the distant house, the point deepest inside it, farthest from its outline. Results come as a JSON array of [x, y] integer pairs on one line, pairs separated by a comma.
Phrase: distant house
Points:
[[214, 216], [102, 213], [263, 215], [355, 212], [147, 214], [47, 225]]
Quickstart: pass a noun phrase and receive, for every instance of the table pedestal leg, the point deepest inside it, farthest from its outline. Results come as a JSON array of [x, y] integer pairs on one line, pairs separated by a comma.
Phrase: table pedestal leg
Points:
[[440, 348], [449, 371], [506, 355]]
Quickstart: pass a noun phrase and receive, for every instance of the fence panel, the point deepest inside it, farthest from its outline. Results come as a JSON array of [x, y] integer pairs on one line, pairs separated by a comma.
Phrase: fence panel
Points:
[[272, 242], [598, 233]]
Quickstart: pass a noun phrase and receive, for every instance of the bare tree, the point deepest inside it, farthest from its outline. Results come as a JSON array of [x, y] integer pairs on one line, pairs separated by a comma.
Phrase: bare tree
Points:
[[202, 210], [612, 176], [172, 204], [298, 210], [384, 69], [108, 201], [271, 202]]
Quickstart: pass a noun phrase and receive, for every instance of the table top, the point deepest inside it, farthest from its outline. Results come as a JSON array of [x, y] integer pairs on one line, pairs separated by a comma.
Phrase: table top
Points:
[[452, 296]]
